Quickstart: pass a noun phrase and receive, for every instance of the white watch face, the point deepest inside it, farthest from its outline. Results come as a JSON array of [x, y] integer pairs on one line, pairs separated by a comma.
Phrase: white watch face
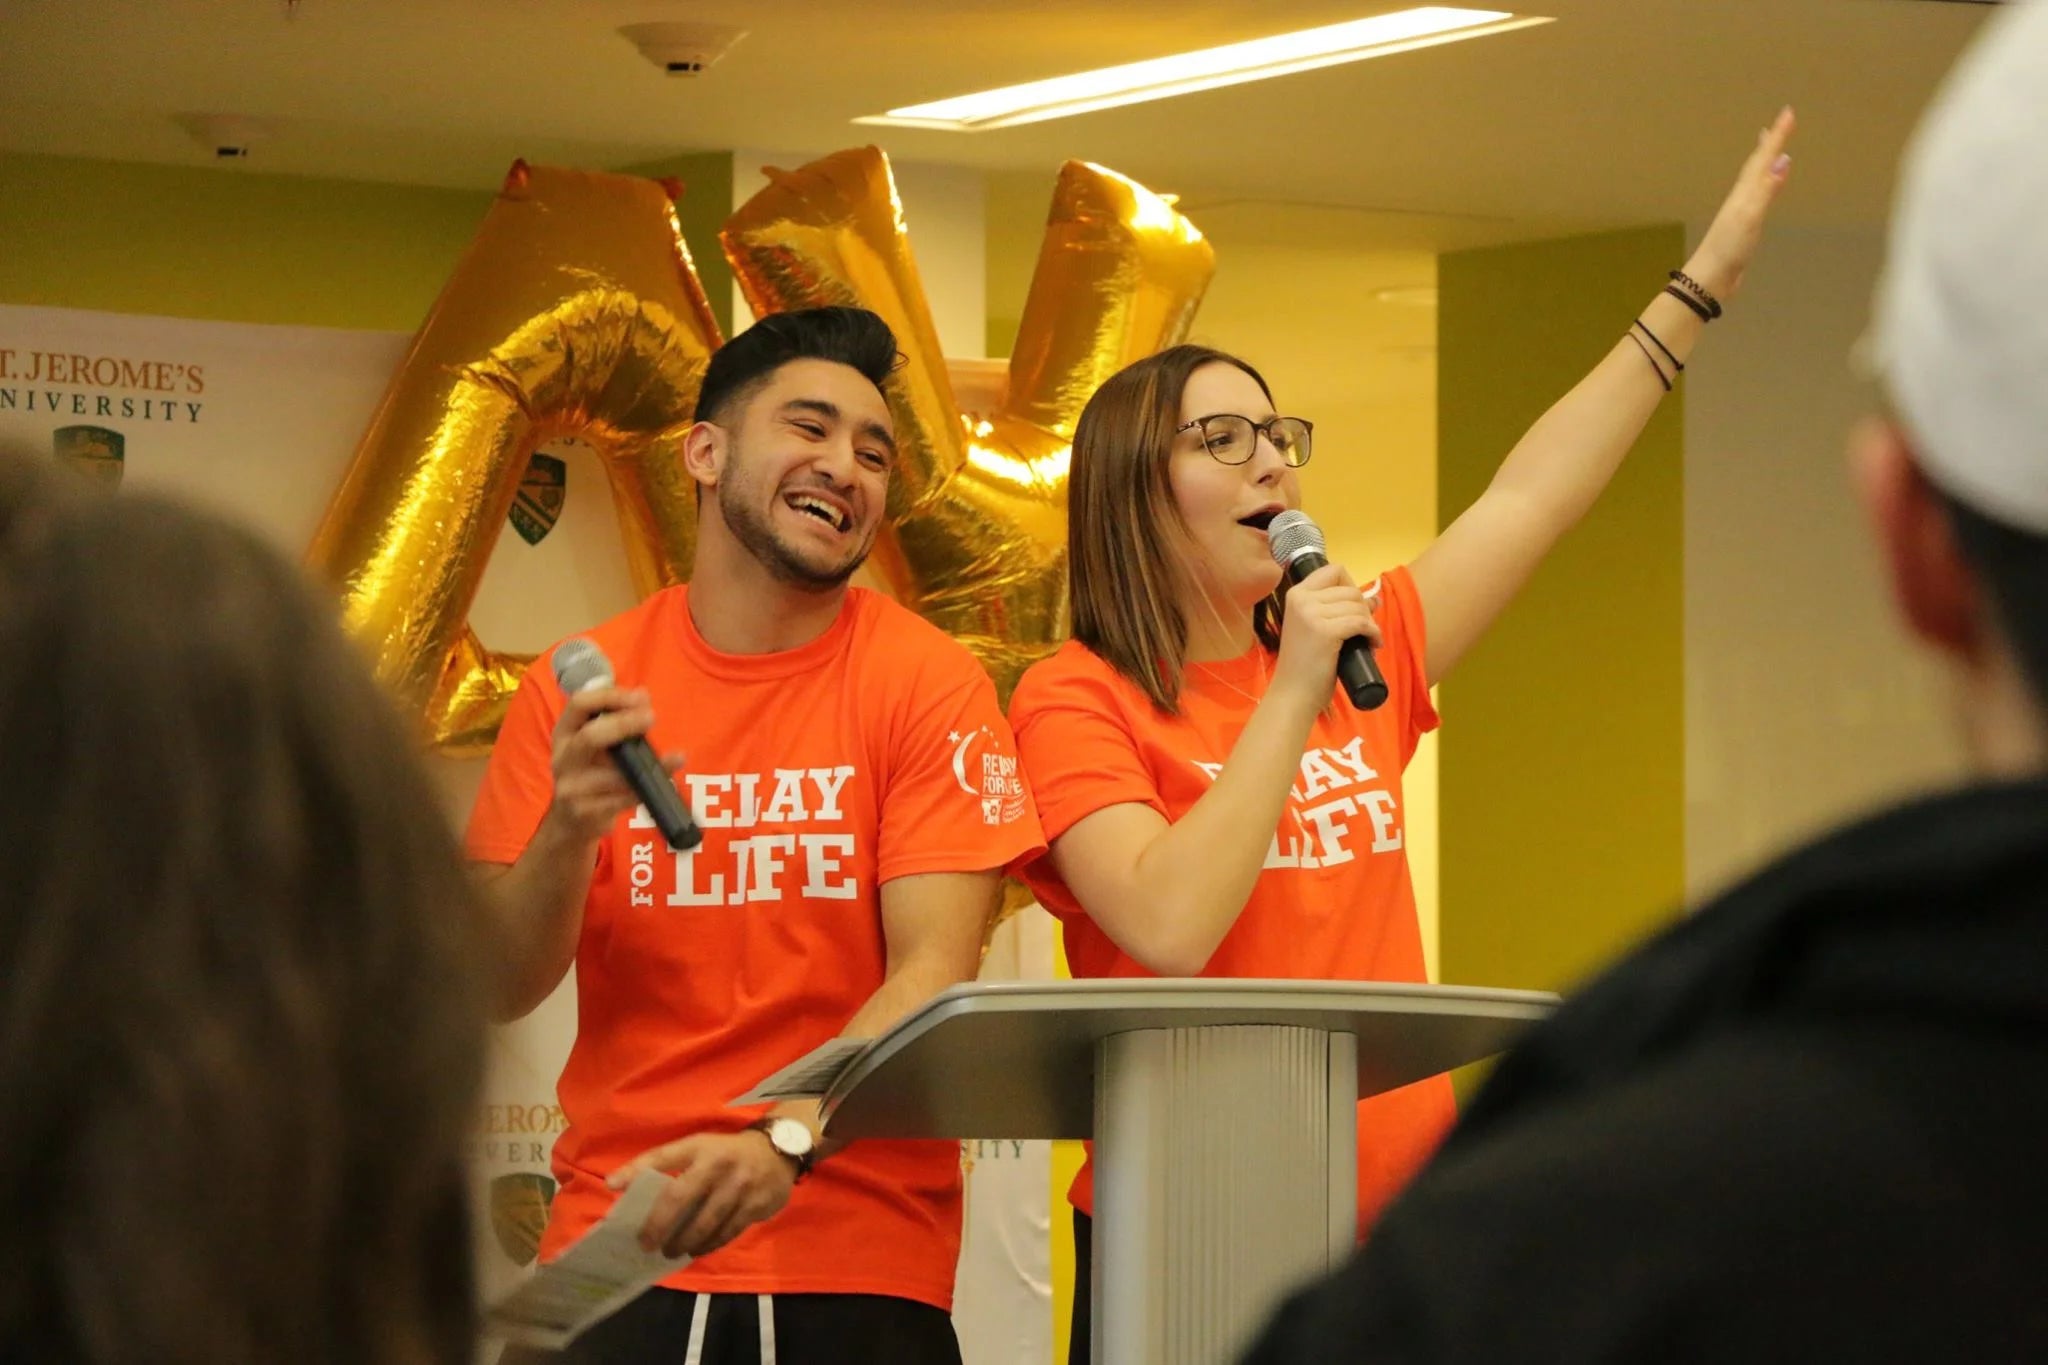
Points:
[[791, 1137]]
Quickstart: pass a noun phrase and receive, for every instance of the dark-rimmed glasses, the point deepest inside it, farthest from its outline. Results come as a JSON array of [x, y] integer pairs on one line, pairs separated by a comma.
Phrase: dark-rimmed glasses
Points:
[[1231, 439]]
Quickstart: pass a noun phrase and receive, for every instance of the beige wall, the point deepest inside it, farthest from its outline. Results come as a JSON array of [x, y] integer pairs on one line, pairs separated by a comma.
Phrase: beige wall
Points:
[[1804, 703]]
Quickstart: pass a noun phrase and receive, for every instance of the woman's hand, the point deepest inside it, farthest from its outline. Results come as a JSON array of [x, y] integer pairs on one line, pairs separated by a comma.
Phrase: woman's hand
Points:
[[1724, 253]]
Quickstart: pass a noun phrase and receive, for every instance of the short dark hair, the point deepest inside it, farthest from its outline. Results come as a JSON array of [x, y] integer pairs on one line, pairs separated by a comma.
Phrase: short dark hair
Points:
[[2013, 566], [245, 973], [848, 336]]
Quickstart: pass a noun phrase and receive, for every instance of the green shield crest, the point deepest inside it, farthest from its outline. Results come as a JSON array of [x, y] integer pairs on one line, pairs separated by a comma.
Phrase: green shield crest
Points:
[[538, 505]]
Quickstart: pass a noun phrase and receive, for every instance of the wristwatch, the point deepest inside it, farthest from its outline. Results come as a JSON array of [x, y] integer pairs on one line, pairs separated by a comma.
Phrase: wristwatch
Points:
[[791, 1138]]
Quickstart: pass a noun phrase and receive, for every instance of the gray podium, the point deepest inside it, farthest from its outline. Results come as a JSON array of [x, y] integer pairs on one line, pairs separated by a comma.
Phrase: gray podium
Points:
[[1224, 1115]]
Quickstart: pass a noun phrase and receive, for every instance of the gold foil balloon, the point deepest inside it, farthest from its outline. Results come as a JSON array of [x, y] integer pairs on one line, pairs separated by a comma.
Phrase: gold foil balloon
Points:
[[574, 312], [1120, 275], [978, 502]]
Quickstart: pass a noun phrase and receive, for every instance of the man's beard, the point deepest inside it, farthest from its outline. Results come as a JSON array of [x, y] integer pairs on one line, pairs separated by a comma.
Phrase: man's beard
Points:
[[750, 527]]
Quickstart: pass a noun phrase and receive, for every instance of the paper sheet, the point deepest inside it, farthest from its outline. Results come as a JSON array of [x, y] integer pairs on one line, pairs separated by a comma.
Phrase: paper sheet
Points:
[[809, 1076], [603, 1271]]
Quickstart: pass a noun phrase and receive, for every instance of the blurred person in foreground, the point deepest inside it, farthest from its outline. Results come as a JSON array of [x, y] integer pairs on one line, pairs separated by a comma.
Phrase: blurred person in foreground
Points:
[[240, 1033]]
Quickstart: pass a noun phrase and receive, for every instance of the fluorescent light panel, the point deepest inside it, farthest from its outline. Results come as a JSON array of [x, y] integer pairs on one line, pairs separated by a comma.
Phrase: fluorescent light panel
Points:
[[1280, 55]]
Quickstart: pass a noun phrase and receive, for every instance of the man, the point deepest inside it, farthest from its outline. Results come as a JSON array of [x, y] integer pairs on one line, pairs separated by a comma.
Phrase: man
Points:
[[1806, 1124], [850, 861]]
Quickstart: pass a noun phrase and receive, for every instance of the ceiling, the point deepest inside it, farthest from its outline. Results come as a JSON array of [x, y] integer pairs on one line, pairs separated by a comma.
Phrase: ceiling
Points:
[[1622, 111]]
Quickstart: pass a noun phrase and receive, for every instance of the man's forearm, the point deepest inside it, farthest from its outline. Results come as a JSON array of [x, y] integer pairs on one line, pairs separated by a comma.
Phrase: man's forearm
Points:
[[537, 905], [915, 980]]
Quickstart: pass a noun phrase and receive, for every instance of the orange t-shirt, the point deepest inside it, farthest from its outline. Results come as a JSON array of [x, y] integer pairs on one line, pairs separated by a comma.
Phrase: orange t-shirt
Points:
[[1334, 901], [876, 751]]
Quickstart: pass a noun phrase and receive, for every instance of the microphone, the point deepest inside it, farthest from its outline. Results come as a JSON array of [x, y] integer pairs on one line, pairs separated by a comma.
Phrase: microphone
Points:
[[581, 665], [1296, 544]]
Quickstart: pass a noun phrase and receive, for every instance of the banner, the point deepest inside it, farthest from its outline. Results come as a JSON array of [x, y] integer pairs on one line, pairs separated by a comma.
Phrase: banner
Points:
[[258, 423]]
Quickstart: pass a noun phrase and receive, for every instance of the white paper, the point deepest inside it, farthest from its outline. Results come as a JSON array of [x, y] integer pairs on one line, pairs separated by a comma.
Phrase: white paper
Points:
[[602, 1271], [809, 1076]]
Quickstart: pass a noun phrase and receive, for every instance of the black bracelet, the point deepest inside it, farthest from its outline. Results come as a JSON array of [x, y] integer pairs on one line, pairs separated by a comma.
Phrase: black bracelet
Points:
[[1676, 363], [1662, 378], [1689, 301], [1699, 293]]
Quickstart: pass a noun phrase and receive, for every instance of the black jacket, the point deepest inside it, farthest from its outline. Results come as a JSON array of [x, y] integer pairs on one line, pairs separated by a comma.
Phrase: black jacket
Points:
[[1808, 1123]]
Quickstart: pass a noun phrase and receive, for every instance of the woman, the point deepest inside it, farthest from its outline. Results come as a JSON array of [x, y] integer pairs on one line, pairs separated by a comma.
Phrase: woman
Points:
[[241, 1033], [1215, 805]]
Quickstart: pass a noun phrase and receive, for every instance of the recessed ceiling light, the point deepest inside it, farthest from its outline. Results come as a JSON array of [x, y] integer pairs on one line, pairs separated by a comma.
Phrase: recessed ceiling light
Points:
[[1280, 55]]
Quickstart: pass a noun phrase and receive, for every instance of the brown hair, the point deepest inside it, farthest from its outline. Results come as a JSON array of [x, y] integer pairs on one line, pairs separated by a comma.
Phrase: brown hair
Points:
[[1127, 552], [241, 1036]]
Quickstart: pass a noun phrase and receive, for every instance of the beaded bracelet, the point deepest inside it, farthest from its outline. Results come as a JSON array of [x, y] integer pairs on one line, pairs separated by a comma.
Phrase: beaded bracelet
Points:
[[1695, 295]]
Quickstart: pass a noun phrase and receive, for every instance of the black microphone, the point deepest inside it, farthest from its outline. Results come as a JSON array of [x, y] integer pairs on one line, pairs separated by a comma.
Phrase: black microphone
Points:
[[580, 665], [1296, 544]]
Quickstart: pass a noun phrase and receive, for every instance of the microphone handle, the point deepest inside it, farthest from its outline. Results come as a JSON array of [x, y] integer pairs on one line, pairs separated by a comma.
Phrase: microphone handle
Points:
[[1356, 668], [657, 791], [1360, 674]]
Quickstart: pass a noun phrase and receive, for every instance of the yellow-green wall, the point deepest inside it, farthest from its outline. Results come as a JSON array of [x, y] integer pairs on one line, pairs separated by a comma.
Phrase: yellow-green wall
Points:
[[702, 211], [1015, 205], [1562, 782], [225, 244]]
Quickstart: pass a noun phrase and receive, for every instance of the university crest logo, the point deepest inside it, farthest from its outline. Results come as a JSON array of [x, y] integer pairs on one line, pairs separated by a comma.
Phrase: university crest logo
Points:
[[538, 505]]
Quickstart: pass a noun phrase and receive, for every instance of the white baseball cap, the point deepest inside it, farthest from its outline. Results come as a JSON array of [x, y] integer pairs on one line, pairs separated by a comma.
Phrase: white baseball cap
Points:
[[1961, 328]]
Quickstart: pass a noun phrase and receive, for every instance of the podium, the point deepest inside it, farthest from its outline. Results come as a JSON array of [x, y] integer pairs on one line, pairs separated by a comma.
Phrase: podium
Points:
[[1224, 1114]]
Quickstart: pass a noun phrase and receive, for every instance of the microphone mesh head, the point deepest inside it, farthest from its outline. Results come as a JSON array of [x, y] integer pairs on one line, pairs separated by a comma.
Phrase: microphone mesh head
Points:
[[580, 664], [1291, 534]]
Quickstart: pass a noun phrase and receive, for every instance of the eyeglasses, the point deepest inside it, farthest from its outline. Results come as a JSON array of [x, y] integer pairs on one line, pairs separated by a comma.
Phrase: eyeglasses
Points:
[[1231, 439]]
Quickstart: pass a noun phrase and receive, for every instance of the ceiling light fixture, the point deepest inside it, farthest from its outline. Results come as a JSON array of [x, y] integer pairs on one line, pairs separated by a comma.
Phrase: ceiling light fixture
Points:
[[682, 49], [1280, 55]]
